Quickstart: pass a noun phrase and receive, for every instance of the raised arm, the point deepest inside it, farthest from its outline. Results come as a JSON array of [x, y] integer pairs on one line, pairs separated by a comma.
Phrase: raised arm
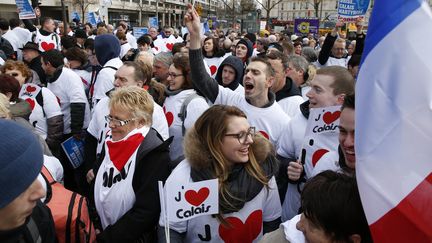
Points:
[[328, 45], [201, 80]]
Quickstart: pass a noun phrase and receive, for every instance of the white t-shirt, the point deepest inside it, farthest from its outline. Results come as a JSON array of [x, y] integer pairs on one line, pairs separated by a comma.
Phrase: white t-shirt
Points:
[[69, 89], [292, 137], [172, 107], [105, 79], [36, 97], [247, 223], [213, 64], [98, 127], [85, 78], [13, 39], [113, 191], [131, 40], [46, 43], [270, 121], [124, 48], [291, 105]]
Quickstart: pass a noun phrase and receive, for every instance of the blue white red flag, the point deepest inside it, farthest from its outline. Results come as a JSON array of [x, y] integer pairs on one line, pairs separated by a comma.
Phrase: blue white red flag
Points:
[[393, 122]]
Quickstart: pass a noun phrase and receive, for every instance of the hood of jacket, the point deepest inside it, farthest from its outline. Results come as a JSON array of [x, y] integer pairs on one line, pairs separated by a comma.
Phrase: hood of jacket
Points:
[[242, 186], [249, 46], [106, 47], [289, 89], [235, 63]]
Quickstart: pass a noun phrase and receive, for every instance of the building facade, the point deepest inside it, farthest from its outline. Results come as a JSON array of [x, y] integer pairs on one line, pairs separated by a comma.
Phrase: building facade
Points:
[[136, 12]]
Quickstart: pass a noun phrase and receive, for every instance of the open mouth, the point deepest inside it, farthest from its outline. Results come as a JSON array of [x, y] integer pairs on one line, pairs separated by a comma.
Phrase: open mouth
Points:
[[248, 87]]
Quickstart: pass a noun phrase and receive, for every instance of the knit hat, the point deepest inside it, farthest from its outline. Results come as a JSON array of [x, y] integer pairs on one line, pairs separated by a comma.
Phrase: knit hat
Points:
[[249, 46], [21, 160]]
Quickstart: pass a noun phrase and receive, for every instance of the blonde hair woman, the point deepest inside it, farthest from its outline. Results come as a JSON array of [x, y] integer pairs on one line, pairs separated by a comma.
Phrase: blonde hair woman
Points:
[[134, 159]]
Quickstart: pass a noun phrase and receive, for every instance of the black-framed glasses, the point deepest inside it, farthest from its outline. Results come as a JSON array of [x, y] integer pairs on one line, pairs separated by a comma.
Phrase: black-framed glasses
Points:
[[243, 136], [174, 75], [116, 122]]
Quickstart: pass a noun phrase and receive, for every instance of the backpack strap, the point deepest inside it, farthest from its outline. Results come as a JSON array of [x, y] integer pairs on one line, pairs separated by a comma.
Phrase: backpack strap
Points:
[[47, 175], [183, 110], [34, 231]]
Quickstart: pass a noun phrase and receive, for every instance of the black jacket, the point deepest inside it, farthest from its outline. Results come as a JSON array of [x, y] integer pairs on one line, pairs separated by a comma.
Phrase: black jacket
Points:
[[140, 222], [288, 90], [36, 65], [45, 228]]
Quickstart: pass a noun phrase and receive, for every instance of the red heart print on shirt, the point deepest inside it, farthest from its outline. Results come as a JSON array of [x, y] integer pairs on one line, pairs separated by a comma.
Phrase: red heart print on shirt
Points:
[[169, 46], [31, 102], [30, 89], [169, 117], [213, 69], [329, 117], [317, 155], [196, 198], [240, 232], [264, 134], [121, 151], [47, 46]]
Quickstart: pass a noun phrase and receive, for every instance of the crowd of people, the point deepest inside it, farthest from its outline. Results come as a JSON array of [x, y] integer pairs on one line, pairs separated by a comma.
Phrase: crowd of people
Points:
[[176, 108]]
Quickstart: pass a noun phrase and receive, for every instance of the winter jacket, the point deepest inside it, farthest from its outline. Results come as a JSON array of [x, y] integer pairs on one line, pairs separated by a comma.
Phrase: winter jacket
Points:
[[140, 222], [235, 63]]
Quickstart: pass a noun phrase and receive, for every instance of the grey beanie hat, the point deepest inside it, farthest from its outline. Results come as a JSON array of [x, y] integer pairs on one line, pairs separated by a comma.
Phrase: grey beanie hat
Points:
[[21, 160]]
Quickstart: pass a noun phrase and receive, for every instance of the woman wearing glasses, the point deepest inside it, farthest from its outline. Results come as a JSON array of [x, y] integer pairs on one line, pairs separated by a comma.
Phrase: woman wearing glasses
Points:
[[223, 146], [134, 159], [46, 115], [180, 93]]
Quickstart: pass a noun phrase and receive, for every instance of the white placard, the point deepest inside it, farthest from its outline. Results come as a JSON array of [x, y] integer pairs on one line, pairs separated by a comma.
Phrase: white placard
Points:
[[321, 136], [187, 201]]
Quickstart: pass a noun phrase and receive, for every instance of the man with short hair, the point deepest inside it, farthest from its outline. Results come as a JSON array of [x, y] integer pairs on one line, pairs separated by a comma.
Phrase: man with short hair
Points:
[[161, 64], [68, 88], [23, 217], [347, 158], [45, 37], [298, 71], [287, 93], [326, 215], [258, 102], [333, 52], [129, 74], [328, 88]]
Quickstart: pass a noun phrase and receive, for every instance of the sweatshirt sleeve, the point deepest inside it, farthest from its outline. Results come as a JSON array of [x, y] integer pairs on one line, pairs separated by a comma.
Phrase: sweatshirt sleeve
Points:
[[29, 25], [326, 49], [201, 80], [143, 217]]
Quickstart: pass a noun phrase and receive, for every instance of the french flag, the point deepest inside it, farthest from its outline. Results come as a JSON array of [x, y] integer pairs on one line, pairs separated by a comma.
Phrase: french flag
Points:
[[394, 122]]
